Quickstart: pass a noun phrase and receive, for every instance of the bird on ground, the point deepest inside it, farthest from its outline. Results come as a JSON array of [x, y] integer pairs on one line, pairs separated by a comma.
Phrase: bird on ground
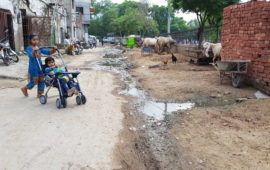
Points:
[[165, 62], [174, 59]]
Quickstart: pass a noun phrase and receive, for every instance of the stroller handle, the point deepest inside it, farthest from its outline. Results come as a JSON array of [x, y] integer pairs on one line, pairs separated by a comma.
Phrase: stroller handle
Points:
[[59, 53], [50, 47]]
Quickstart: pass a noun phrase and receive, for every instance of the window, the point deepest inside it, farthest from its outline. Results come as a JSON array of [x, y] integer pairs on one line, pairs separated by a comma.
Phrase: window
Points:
[[79, 10], [23, 12], [72, 4]]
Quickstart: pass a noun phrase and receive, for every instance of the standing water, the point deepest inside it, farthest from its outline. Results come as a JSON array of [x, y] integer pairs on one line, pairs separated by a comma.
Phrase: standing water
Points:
[[115, 61]]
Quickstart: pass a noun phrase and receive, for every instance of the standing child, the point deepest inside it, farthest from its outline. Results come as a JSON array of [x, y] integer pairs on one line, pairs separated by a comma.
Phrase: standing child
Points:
[[33, 52]]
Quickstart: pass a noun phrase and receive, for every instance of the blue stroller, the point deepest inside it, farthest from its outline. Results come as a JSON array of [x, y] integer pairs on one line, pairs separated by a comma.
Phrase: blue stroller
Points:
[[53, 81]]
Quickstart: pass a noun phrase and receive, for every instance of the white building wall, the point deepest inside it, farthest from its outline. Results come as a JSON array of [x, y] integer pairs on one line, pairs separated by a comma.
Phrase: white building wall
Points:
[[37, 8], [85, 17], [71, 17], [17, 26]]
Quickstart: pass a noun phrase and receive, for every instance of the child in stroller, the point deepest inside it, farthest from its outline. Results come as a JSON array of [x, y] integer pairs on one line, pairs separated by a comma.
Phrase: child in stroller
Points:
[[66, 82]]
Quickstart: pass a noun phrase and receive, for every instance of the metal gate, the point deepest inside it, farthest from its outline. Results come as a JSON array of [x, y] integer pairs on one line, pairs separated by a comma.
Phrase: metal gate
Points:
[[6, 27], [38, 25]]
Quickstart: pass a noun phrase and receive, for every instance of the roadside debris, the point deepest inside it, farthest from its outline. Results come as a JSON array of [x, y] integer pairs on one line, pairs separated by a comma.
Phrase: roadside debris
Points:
[[260, 95], [113, 53], [155, 66], [200, 161], [241, 100], [133, 129]]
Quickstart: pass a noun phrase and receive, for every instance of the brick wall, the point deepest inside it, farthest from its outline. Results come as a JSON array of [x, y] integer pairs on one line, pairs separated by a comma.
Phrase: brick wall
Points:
[[246, 36]]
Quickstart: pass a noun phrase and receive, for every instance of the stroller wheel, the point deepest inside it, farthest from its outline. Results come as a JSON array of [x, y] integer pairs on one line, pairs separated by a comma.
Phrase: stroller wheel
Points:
[[43, 99], [78, 100], [58, 103], [83, 98], [6, 61], [64, 102]]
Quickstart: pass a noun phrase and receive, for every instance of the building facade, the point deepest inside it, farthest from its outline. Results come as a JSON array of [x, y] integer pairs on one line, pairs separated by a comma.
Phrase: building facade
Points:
[[71, 18], [51, 19], [83, 16]]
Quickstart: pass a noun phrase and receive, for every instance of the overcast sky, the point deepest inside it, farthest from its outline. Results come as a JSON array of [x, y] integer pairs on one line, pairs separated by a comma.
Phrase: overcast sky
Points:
[[186, 16]]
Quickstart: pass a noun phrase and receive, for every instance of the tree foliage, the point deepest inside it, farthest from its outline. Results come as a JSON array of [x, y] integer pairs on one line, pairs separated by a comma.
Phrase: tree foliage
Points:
[[206, 10], [101, 6], [159, 14], [132, 17]]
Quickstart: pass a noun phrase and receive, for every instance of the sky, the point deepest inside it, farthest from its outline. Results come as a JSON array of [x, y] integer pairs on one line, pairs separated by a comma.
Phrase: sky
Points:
[[186, 16]]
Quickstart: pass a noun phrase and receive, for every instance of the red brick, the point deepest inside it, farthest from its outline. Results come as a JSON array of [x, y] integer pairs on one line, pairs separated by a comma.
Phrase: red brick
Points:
[[246, 35]]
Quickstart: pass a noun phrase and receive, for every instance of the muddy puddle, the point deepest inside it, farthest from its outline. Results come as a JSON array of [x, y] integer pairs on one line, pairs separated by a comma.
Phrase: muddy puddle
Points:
[[158, 110], [148, 106]]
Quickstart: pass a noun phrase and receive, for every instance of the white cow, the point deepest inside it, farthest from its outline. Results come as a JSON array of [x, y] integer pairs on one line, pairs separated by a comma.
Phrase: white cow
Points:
[[165, 42], [216, 48], [150, 42]]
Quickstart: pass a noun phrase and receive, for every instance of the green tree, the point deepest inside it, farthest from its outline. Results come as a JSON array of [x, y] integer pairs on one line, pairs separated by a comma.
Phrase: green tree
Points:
[[134, 22], [126, 5], [94, 28], [204, 9], [131, 17], [101, 6], [193, 23], [107, 19], [178, 24], [159, 14]]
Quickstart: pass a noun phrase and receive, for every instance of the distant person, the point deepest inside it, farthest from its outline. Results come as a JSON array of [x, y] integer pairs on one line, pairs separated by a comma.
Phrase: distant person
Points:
[[102, 42], [35, 62], [67, 40], [95, 42], [68, 45]]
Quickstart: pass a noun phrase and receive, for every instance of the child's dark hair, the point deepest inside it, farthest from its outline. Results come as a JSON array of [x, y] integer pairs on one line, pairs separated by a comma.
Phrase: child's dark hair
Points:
[[47, 60], [31, 36]]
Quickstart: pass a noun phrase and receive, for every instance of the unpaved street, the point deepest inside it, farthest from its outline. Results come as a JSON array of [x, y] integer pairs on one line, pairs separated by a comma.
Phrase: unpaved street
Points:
[[228, 128], [35, 136], [140, 114]]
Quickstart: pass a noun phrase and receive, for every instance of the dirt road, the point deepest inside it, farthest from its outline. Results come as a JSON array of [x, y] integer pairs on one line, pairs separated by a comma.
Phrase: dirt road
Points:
[[35, 136], [176, 116], [228, 128]]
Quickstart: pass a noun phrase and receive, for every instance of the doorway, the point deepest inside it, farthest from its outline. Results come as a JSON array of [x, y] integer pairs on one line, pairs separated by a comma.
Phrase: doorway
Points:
[[6, 27]]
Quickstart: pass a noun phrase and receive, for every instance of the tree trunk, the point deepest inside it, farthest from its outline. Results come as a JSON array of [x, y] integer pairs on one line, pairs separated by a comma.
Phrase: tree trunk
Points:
[[200, 35], [217, 32]]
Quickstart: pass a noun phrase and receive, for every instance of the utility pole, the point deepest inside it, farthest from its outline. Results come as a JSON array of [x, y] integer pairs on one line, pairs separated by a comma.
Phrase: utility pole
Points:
[[169, 20]]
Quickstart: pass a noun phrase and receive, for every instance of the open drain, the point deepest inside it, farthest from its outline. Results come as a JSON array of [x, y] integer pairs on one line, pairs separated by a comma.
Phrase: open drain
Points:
[[159, 109], [115, 62]]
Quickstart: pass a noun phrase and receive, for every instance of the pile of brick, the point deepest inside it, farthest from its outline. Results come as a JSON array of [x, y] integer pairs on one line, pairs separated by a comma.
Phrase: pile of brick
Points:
[[246, 36]]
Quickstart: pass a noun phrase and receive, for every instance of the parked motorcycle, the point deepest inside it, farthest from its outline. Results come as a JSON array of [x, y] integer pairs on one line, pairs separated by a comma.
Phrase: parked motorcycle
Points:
[[91, 45], [85, 45], [6, 53], [95, 44], [81, 46]]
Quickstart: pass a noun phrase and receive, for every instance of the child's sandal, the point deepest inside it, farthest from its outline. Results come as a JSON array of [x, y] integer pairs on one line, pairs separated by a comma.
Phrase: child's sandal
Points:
[[71, 91]]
